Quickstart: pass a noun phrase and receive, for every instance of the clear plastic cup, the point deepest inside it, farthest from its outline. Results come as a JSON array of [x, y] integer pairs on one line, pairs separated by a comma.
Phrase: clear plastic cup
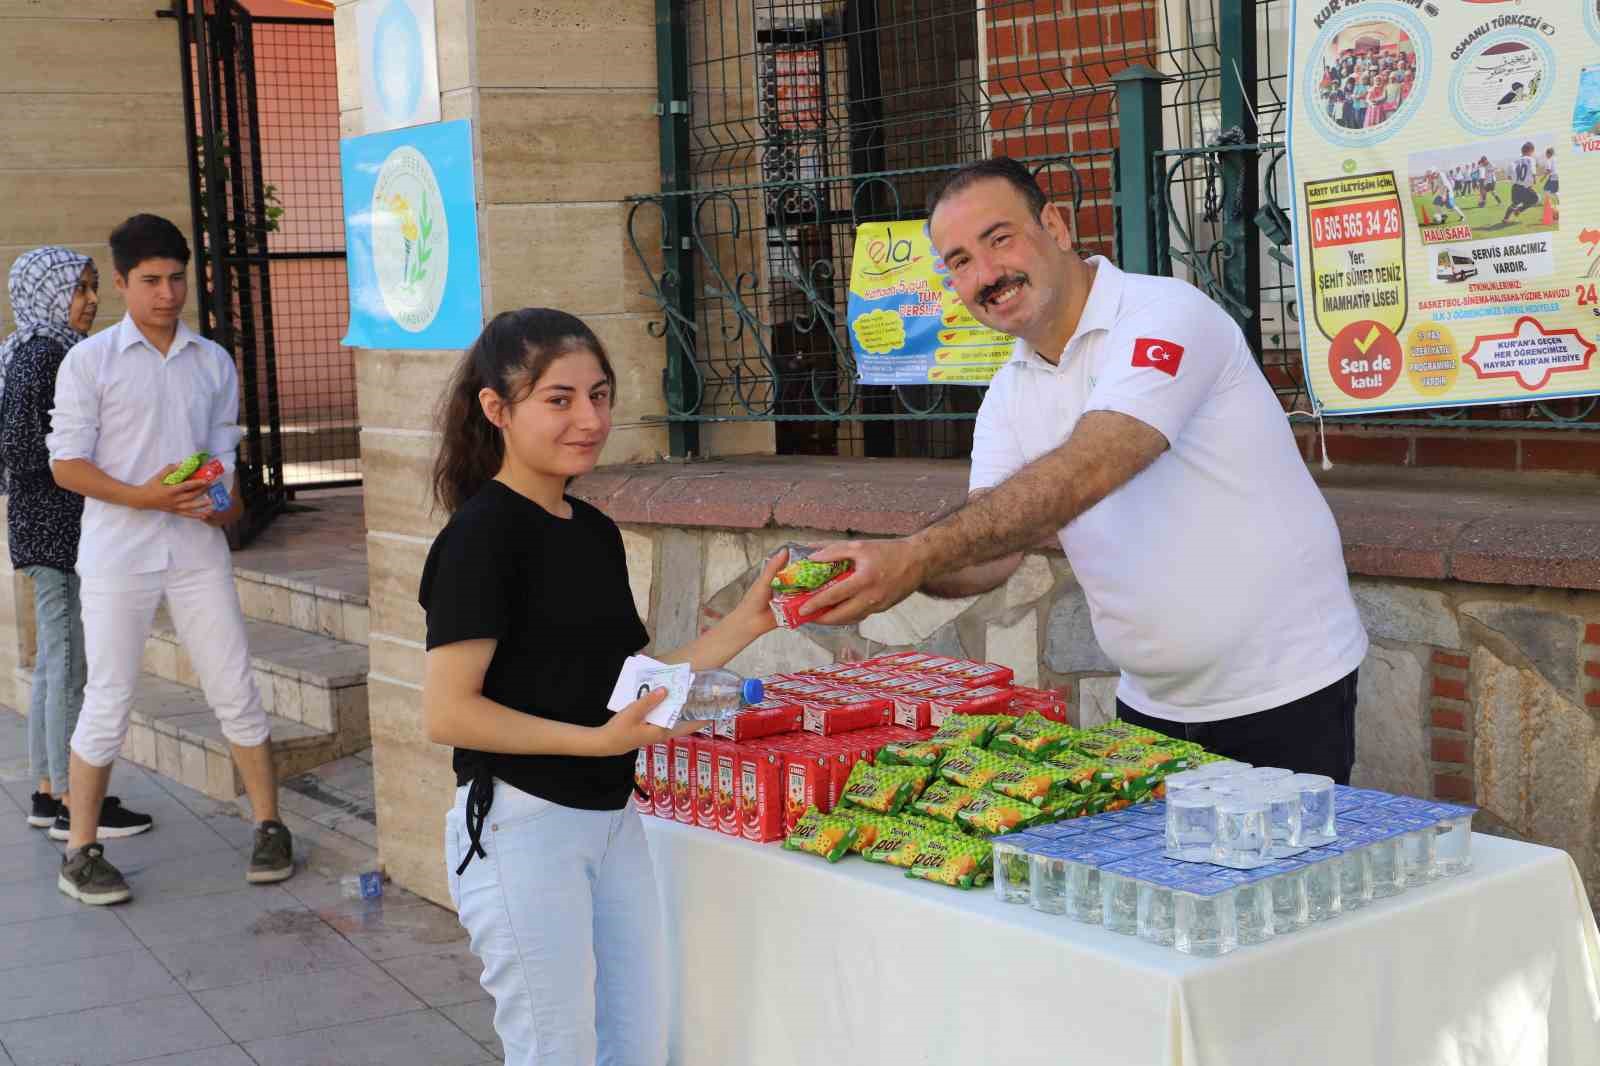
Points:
[[1287, 885], [1253, 912], [1317, 826], [1416, 856], [1283, 818], [1355, 874], [1452, 845], [1011, 868], [1266, 775], [1119, 901], [1083, 892], [1388, 874], [1186, 779], [1244, 840], [1204, 922], [1047, 882], [1191, 824], [1324, 899], [1155, 916]]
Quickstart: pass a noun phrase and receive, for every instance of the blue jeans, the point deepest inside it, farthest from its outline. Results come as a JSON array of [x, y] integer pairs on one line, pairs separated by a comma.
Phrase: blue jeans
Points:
[[565, 918], [58, 673]]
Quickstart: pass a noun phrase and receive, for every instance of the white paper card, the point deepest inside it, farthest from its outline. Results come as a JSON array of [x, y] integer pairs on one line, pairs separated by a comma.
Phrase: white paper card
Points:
[[640, 674]]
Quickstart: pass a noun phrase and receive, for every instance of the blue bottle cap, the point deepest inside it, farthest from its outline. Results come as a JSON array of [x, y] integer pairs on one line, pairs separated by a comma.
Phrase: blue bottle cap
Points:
[[754, 690]]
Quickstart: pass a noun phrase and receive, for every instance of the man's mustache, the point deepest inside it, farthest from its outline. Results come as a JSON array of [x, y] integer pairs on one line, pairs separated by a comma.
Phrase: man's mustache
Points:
[[989, 292]]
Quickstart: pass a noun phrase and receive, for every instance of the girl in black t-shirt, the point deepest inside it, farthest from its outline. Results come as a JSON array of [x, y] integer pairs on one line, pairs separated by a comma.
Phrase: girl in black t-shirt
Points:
[[529, 620]]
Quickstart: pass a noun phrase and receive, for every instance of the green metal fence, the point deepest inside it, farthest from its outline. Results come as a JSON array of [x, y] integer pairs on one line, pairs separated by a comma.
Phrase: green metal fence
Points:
[[786, 123]]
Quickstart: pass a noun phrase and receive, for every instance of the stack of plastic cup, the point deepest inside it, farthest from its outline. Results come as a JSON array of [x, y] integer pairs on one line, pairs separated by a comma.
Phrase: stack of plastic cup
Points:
[[1324, 895], [1011, 868], [1204, 922], [1083, 889], [1266, 775], [1355, 872], [1119, 895], [1191, 824], [1244, 840], [1388, 873], [1416, 850], [1317, 812], [1252, 906], [1156, 903], [1287, 885], [1047, 878], [1283, 817], [1452, 843]]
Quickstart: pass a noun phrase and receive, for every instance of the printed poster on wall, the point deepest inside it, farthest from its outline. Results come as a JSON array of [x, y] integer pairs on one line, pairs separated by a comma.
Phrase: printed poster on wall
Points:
[[1445, 160], [411, 238], [907, 325], [399, 54]]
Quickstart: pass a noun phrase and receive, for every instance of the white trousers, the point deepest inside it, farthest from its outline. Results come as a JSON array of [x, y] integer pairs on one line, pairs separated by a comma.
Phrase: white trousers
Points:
[[117, 613]]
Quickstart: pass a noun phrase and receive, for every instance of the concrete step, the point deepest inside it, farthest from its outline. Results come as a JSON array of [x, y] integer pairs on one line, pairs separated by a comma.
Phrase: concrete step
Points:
[[303, 676], [331, 602], [173, 732]]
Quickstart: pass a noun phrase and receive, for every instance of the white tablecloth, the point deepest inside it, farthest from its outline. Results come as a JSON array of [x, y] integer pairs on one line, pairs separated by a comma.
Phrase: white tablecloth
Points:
[[779, 958]]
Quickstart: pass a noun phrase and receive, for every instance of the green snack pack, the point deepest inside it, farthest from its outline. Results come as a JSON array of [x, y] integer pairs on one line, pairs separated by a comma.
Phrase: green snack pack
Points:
[[919, 753], [958, 863], [963, 730], [869, 827], [827, 835], [941, 800], [885, 789], [1063, 806], [992, 814], [1135, 771], [1033, 736], [974, 768], [185, 468], [1081, 770], [1034, 782], [927, 823], [897, 843], [803, 575]]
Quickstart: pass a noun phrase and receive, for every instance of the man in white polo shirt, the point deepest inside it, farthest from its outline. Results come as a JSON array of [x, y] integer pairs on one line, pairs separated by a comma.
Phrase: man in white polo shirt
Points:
[[1133, 423]]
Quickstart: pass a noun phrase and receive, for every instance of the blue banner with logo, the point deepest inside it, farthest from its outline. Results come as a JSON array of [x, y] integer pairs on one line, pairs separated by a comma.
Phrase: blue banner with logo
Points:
[[411, 238]]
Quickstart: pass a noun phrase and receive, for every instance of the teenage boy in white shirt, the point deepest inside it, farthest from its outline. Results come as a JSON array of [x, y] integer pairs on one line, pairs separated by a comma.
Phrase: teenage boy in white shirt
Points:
[[131, 403], [1134, 424]]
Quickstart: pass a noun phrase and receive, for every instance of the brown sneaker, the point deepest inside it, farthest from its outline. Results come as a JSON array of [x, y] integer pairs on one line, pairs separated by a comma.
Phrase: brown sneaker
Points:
[[88, 878], [272, 859]]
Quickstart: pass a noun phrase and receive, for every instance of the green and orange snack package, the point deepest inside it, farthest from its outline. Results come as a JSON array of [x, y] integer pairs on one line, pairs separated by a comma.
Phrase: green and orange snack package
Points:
[[953, 861], [869, 827], [992, 814], [897, 843], [1033, 736], [884, 789], [913, 753], [1081, 770], [972, 767], [827, 835], [941, 800], [1035, 783], [186, 468], [962, 730]]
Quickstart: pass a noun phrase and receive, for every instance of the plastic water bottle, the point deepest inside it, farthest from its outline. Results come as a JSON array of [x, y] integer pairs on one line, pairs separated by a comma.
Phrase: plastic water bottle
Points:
[[365, 885], [717, 695]]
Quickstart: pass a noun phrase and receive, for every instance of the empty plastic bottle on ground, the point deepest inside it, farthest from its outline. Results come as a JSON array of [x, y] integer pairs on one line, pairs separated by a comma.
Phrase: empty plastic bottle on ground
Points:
[[715, 695]]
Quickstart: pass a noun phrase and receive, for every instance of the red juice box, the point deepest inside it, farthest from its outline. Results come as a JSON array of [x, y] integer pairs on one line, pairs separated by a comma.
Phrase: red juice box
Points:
[[643, 797], [828, 669], [661, 778], [989, 699], [763, 719], [975, 675], [807, 782], [897, 660], [790, 610], [682, 779], [703, 786], [759, 792], [727, 792], [859, 712]]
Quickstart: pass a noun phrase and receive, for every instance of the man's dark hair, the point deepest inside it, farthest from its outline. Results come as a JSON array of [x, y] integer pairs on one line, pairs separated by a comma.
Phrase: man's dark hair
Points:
[[146, 237], [1003, 167]]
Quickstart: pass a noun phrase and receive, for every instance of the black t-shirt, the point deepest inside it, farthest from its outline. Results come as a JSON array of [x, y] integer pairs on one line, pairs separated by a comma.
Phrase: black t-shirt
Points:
[[554, 593]]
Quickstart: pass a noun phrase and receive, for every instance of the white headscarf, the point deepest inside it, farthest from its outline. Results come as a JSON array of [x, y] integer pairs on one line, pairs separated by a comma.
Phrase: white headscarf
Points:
[[41, 285]]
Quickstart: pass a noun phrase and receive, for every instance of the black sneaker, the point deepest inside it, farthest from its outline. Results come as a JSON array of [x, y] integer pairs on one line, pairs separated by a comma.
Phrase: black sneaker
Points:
[[88, 878], [272, 858], [45, 809], [115, 821]]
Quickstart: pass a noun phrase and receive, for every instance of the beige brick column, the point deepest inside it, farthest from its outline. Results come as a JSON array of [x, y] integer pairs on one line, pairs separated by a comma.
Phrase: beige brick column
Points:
[[561, 96], [87, 141]]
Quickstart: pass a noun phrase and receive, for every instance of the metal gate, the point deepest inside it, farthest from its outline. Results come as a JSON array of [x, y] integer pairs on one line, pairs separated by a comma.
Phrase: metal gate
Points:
[[230, 230]]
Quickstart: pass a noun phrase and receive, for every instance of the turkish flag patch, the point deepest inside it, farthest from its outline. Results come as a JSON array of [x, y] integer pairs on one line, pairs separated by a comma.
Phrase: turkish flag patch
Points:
[[1158, 354]]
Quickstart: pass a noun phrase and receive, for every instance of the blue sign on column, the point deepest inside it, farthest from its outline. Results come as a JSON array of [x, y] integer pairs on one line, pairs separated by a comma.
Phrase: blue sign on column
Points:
[[411, 237]]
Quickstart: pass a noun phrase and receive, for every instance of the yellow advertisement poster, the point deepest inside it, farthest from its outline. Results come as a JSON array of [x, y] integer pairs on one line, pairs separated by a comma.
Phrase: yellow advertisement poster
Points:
[[907, 325], [1445, 160]]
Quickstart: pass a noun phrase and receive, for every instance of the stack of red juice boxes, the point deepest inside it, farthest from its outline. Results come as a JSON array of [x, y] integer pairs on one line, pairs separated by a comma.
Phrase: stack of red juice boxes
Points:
[[758, 772]]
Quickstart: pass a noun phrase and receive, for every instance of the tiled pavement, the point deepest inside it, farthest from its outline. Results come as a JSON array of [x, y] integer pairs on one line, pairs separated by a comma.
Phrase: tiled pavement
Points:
[[201, 969]]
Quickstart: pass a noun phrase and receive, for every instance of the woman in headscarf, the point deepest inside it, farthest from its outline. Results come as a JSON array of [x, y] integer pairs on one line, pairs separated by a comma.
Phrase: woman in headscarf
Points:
[[54, 297]]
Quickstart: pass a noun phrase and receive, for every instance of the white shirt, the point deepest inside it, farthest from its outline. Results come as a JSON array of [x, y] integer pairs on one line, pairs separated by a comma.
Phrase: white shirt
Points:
[[1215, 578], [130, 411]]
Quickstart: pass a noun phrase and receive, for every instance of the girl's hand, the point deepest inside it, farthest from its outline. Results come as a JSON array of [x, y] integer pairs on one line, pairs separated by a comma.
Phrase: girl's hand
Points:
[[628, 731], [753, 606]]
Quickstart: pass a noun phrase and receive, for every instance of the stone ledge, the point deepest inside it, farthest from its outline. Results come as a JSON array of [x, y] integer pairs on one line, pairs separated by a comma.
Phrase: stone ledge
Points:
[[1538, 530]]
